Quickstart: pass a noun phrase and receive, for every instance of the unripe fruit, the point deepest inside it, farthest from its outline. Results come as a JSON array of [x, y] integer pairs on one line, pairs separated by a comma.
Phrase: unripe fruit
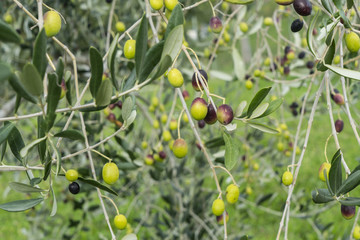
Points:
[[180, 148], [110, 173], [280, 146], [287, 178], [356, 233], [220, 219], [52, 23], [120, 26], [302, 7], [218, 207], [339, 99], [129, 48], [225, 114], [297, 151], [232, 193], [164, 118], [185, 118], [268, 21], [71, 175], [339, 125], [348, 212], [144, 144], [156, 4], [249, 84], [325, 166], [171, 144], [173, 124], [290, 55], [297, 25], [196, 79], [63, 89], [120, 221], [157, 157], [267, 62], [216, 24], [248, 190], [170, 4], [74, 188], [257, 73], [352, 41], [244, 27], [156, 124], [211, 116], [175, 78], [225, 6], [166, 136], [198, 109], [8, 18], [149, 160], [284, 2], [256, 166], [336, 59], [155, 101]]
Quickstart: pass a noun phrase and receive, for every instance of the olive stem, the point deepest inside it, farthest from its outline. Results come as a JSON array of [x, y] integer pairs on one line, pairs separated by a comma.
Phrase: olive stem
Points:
[[111, 14], [325, 150], [99, 153], [113, 203], [179, 121], [227, 171]]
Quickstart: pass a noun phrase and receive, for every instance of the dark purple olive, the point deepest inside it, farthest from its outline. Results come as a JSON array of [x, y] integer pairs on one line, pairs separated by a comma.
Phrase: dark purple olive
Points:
[[294, 105], [301, 55], [348, 212], [119, 104], [185, 94], [297, 25], [162, 155], [339, 125], [339, 99], [112, 106], [74, 188], [310, 64], [294, 112], [196, 76], [111, 117], [201, 124], [332, 93], [216, 24], [211, 116], [286, 70], [303, 7], [287, 50], [225, 114]]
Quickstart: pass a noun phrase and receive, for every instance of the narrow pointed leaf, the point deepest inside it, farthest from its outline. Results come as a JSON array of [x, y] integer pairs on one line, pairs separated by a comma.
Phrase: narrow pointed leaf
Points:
[[127, 108], [8, 34], [259, 110], [259, 97], [263, 128], [54, 92], [47, 170], [97, 184], [231, 151], [70, 134], [240, 109], [321, 196], [5, 131], [5, 72], [273, 106], [20, 89], [349, 184], [32, 80], [241, 2], [104, 94], [16, 143], [60, 70], [54, 206], [335, 173], [344, 72], [41, 133], [24, 188], [176, 19], [20, 205], [111, 60], [173, 43], [24, 151], [97, 70], [141, 44], [152, 58], [350, 201], [309, 34], [39, 55], [162, 67]]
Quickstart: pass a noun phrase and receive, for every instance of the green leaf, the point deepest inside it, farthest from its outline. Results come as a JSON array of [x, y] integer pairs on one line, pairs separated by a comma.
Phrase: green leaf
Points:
[[68, 87], [97, 184], [54, 206], [111, 60], [309, 34], [53, 97], [231, 151], [215, 142], [5, 72], [173, 43], [92, 109], [20, 205], [97, 70], [240, 108], [141, 45], [58, 158], [41, 133], [32, 80], [8, 34], [350, 4], [259, 110], [273, 106], [130, 119], [60, 70], [329, 56], [130, 81], [321, 196], [262, 128], [104, 94], [163, 66], [335, 173], [239, 65], [47, 168], [3, 151], [242, 2], [327, 182], [344, 72], [176, 19], [70, 134], [130, 236], [39, 55], [326, 5], [24, 151], [349, 184], [152, 58], [259, 97], [20, 89], [350, 201], [24, 188], [5, 132], [127, 108], [16, 143], [339, 6]]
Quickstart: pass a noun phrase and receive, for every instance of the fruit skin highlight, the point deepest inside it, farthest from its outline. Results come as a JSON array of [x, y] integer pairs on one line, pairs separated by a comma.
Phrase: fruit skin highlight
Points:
[[352, 42], [71, 175], [287, 178], [129, 48], [325, 166], [110, 173], [120, 221], [180, 148], [175, 78], [218, 207], [52, 23]]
